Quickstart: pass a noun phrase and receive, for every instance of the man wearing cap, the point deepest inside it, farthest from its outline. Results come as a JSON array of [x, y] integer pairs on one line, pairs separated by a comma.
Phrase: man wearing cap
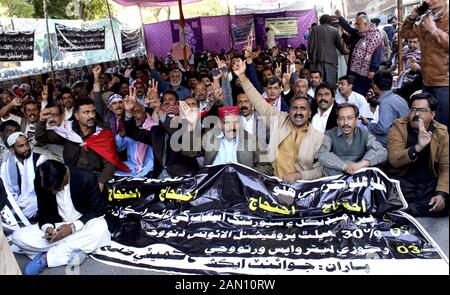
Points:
[[6, 129], [175, 78], [229, 144], [18, 173], [294, 146]]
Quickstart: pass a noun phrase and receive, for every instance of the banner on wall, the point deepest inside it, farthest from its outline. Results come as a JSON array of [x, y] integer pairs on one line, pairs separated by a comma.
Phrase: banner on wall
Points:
[[75, 39], [131, 40], [229, 219], [284, 27], [192, 33], [241, 32], [16, 46]]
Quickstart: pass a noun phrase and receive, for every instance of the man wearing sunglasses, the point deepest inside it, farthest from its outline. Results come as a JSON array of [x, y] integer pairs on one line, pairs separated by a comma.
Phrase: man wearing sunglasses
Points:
[[418, 151]]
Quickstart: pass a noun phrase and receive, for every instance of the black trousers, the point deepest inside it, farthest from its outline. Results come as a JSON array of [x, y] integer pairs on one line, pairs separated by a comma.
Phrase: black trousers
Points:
[[418, 196]]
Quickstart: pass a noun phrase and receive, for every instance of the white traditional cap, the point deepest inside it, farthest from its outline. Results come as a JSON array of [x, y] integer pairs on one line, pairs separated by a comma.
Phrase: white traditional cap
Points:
[[13, 137]]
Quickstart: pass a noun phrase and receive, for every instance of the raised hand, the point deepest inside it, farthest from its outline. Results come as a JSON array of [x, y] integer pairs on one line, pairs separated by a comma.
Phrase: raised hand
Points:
[[44, 93], [44, 115], [248, 47], [130, 101], [152, 92], [97, 70], [287, 77], [151, 60], [191, 115], [424, 137], [220, 63], [292, 56], [239, 67], [218, 94], [278, 72]]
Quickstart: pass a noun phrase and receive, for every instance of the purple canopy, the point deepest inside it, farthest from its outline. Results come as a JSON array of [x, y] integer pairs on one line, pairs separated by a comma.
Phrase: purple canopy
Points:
[[152, 2]]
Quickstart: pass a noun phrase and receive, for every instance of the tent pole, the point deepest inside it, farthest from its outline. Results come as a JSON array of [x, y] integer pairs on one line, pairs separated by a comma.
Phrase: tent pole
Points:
[[182, 37], [400, 43], [142, 29], [112, 31], [52, 73]]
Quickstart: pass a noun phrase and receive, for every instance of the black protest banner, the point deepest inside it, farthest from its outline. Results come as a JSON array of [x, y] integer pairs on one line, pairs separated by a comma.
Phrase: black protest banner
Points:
[[74, 39], [131, 40], [229, 219], [16, 46]]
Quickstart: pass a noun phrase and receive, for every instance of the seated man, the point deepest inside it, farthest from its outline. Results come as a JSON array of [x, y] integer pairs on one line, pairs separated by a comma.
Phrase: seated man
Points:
[[140, 155], [324, 108], [232, 145], [391, 107], [348, 148], [418, 151], [294, 146], [18, 173], [70, 216], [6, 129], [86, 144]]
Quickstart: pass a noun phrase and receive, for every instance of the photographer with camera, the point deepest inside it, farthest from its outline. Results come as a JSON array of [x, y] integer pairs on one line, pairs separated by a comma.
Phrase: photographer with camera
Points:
[[429, 22]]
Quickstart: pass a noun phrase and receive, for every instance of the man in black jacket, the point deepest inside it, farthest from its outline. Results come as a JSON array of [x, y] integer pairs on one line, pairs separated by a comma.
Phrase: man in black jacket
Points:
[[70, 222]]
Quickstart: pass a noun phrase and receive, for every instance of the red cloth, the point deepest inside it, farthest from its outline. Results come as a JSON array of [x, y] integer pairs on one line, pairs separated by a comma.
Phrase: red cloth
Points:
[[229, 111], [102, 143]]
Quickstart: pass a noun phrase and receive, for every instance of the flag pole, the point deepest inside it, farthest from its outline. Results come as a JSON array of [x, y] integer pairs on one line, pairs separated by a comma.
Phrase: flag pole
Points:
[[182, 36], [52, 73], [142, 29], [113, 35], [399, 40]]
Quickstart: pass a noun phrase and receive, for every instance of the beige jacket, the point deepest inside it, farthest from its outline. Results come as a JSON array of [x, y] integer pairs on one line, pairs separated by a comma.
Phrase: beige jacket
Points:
[[399, 158], [280, 128]]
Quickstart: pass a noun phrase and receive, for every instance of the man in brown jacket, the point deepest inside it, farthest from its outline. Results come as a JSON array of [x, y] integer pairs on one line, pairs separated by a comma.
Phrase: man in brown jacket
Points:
[[294, 143], [432, 31], [418, 151]]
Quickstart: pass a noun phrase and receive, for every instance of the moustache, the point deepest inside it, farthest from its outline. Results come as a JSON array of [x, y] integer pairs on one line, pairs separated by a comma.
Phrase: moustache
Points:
[[346, 126], [244, 108], [416, 118], [299, 116], [323, 100]]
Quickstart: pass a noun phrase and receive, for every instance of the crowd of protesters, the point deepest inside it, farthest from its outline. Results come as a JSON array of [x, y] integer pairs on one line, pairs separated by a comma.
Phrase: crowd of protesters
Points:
[[335, 106]]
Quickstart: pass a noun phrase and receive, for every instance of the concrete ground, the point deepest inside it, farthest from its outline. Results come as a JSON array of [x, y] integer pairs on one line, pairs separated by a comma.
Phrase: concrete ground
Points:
[[438, 228]]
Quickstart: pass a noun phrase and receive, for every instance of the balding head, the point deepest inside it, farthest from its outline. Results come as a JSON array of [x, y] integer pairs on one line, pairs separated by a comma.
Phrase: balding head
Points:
[[362, 23]]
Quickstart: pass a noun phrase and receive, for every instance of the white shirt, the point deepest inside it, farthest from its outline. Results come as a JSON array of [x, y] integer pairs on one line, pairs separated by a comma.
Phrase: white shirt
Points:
[[276, 104], [319, 122], [248, 123], [227, 150], [311, 92], [12, 117], [367, 112], [354, 98], [66, 209], [203, 105], [27, 200]]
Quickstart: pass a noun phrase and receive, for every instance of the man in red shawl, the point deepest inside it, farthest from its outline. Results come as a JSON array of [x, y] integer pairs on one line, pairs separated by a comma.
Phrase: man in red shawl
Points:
[[86, 144]]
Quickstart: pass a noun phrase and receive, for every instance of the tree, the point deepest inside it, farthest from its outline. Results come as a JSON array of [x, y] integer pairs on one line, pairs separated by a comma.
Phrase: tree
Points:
[[17, 8], [71, 9]]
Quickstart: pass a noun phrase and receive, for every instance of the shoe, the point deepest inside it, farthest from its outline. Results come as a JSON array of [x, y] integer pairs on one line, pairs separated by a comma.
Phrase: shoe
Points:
[[35, 266], [77, 257]]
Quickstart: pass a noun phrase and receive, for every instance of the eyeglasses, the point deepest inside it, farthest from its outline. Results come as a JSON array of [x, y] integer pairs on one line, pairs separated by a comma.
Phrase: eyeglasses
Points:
[[420, 110]]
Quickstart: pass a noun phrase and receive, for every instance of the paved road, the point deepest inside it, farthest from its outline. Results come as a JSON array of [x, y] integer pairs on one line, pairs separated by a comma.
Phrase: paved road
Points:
[[438, 228]]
